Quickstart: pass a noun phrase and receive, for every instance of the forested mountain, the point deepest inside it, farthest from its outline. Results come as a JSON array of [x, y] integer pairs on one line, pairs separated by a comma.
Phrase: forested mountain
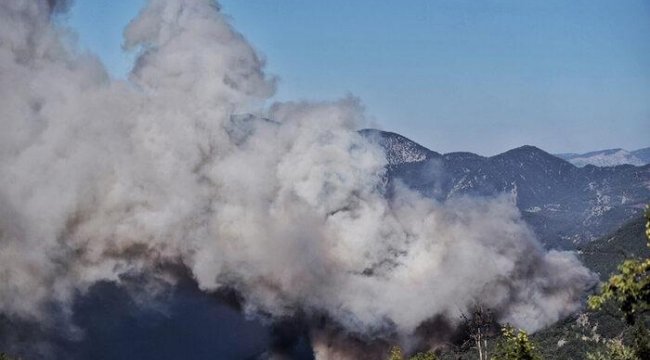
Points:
[[566, 205]]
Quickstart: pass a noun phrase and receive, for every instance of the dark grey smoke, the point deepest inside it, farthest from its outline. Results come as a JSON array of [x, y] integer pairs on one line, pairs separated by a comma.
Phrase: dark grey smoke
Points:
[[185, 323]]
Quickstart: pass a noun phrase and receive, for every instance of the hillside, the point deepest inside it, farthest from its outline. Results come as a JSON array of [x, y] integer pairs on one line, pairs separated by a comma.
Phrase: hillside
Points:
[[566, 205], [566, 340], [609, 157], [603, 255]]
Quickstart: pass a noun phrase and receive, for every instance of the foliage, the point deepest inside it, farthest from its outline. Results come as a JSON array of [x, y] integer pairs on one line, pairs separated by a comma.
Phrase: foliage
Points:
[[429, 355], [615, 350], [642, 341], [630, 288], [396, 354], [4, 356], [515, 345]]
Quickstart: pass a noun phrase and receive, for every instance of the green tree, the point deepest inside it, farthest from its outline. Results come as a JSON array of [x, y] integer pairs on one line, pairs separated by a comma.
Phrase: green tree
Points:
[[4, 356], [515, 345], [429, 355], [630, 290], [615, 350], [396, 354]]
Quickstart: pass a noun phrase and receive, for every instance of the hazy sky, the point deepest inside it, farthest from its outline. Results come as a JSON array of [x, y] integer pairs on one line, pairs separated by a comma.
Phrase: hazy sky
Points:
[[481, 76]]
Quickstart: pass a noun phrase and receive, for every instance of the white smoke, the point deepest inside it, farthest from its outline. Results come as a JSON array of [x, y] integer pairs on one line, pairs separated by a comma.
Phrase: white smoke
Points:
[[102, 178]]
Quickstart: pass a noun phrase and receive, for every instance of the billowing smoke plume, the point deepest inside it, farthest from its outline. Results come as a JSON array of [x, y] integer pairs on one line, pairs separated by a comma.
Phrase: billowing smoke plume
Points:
[[104, 178]]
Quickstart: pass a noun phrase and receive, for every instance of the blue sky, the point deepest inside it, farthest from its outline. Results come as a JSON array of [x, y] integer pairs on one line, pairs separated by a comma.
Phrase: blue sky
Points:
[[482, 76]]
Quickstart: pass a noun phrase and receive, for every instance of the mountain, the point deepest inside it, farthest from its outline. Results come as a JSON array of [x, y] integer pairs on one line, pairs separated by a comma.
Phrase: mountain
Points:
[[573, 337], [604, 254], [565, 205], [564, 340], [610, 157], [643, 154], [399, 149]]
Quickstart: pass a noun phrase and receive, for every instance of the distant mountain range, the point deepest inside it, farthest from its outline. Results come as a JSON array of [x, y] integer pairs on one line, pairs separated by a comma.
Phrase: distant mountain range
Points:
[[610, 157], [566, 205]]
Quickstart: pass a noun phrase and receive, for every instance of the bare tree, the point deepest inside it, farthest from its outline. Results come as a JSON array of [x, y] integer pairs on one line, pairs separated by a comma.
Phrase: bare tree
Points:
[[480, 326]]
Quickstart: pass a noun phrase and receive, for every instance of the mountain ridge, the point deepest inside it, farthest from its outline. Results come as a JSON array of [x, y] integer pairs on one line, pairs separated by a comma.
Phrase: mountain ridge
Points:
[[565, 205], [609, 157]]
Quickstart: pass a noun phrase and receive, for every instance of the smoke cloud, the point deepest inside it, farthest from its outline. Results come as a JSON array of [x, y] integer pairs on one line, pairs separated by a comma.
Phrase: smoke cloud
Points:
[[103, 179]]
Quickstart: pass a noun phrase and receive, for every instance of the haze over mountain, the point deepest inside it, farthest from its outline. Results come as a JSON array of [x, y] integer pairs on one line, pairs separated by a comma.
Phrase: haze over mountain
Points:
[[148, 183], [609, 157], [192, 324], [566, 205], [564, 340], [135, 209]]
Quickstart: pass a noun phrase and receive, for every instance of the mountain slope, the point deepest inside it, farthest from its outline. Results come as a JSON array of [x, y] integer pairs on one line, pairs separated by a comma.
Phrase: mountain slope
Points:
[[572, 338], [399, 149], [564, 204], [604, 254], [610, 157], [643, 154]]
